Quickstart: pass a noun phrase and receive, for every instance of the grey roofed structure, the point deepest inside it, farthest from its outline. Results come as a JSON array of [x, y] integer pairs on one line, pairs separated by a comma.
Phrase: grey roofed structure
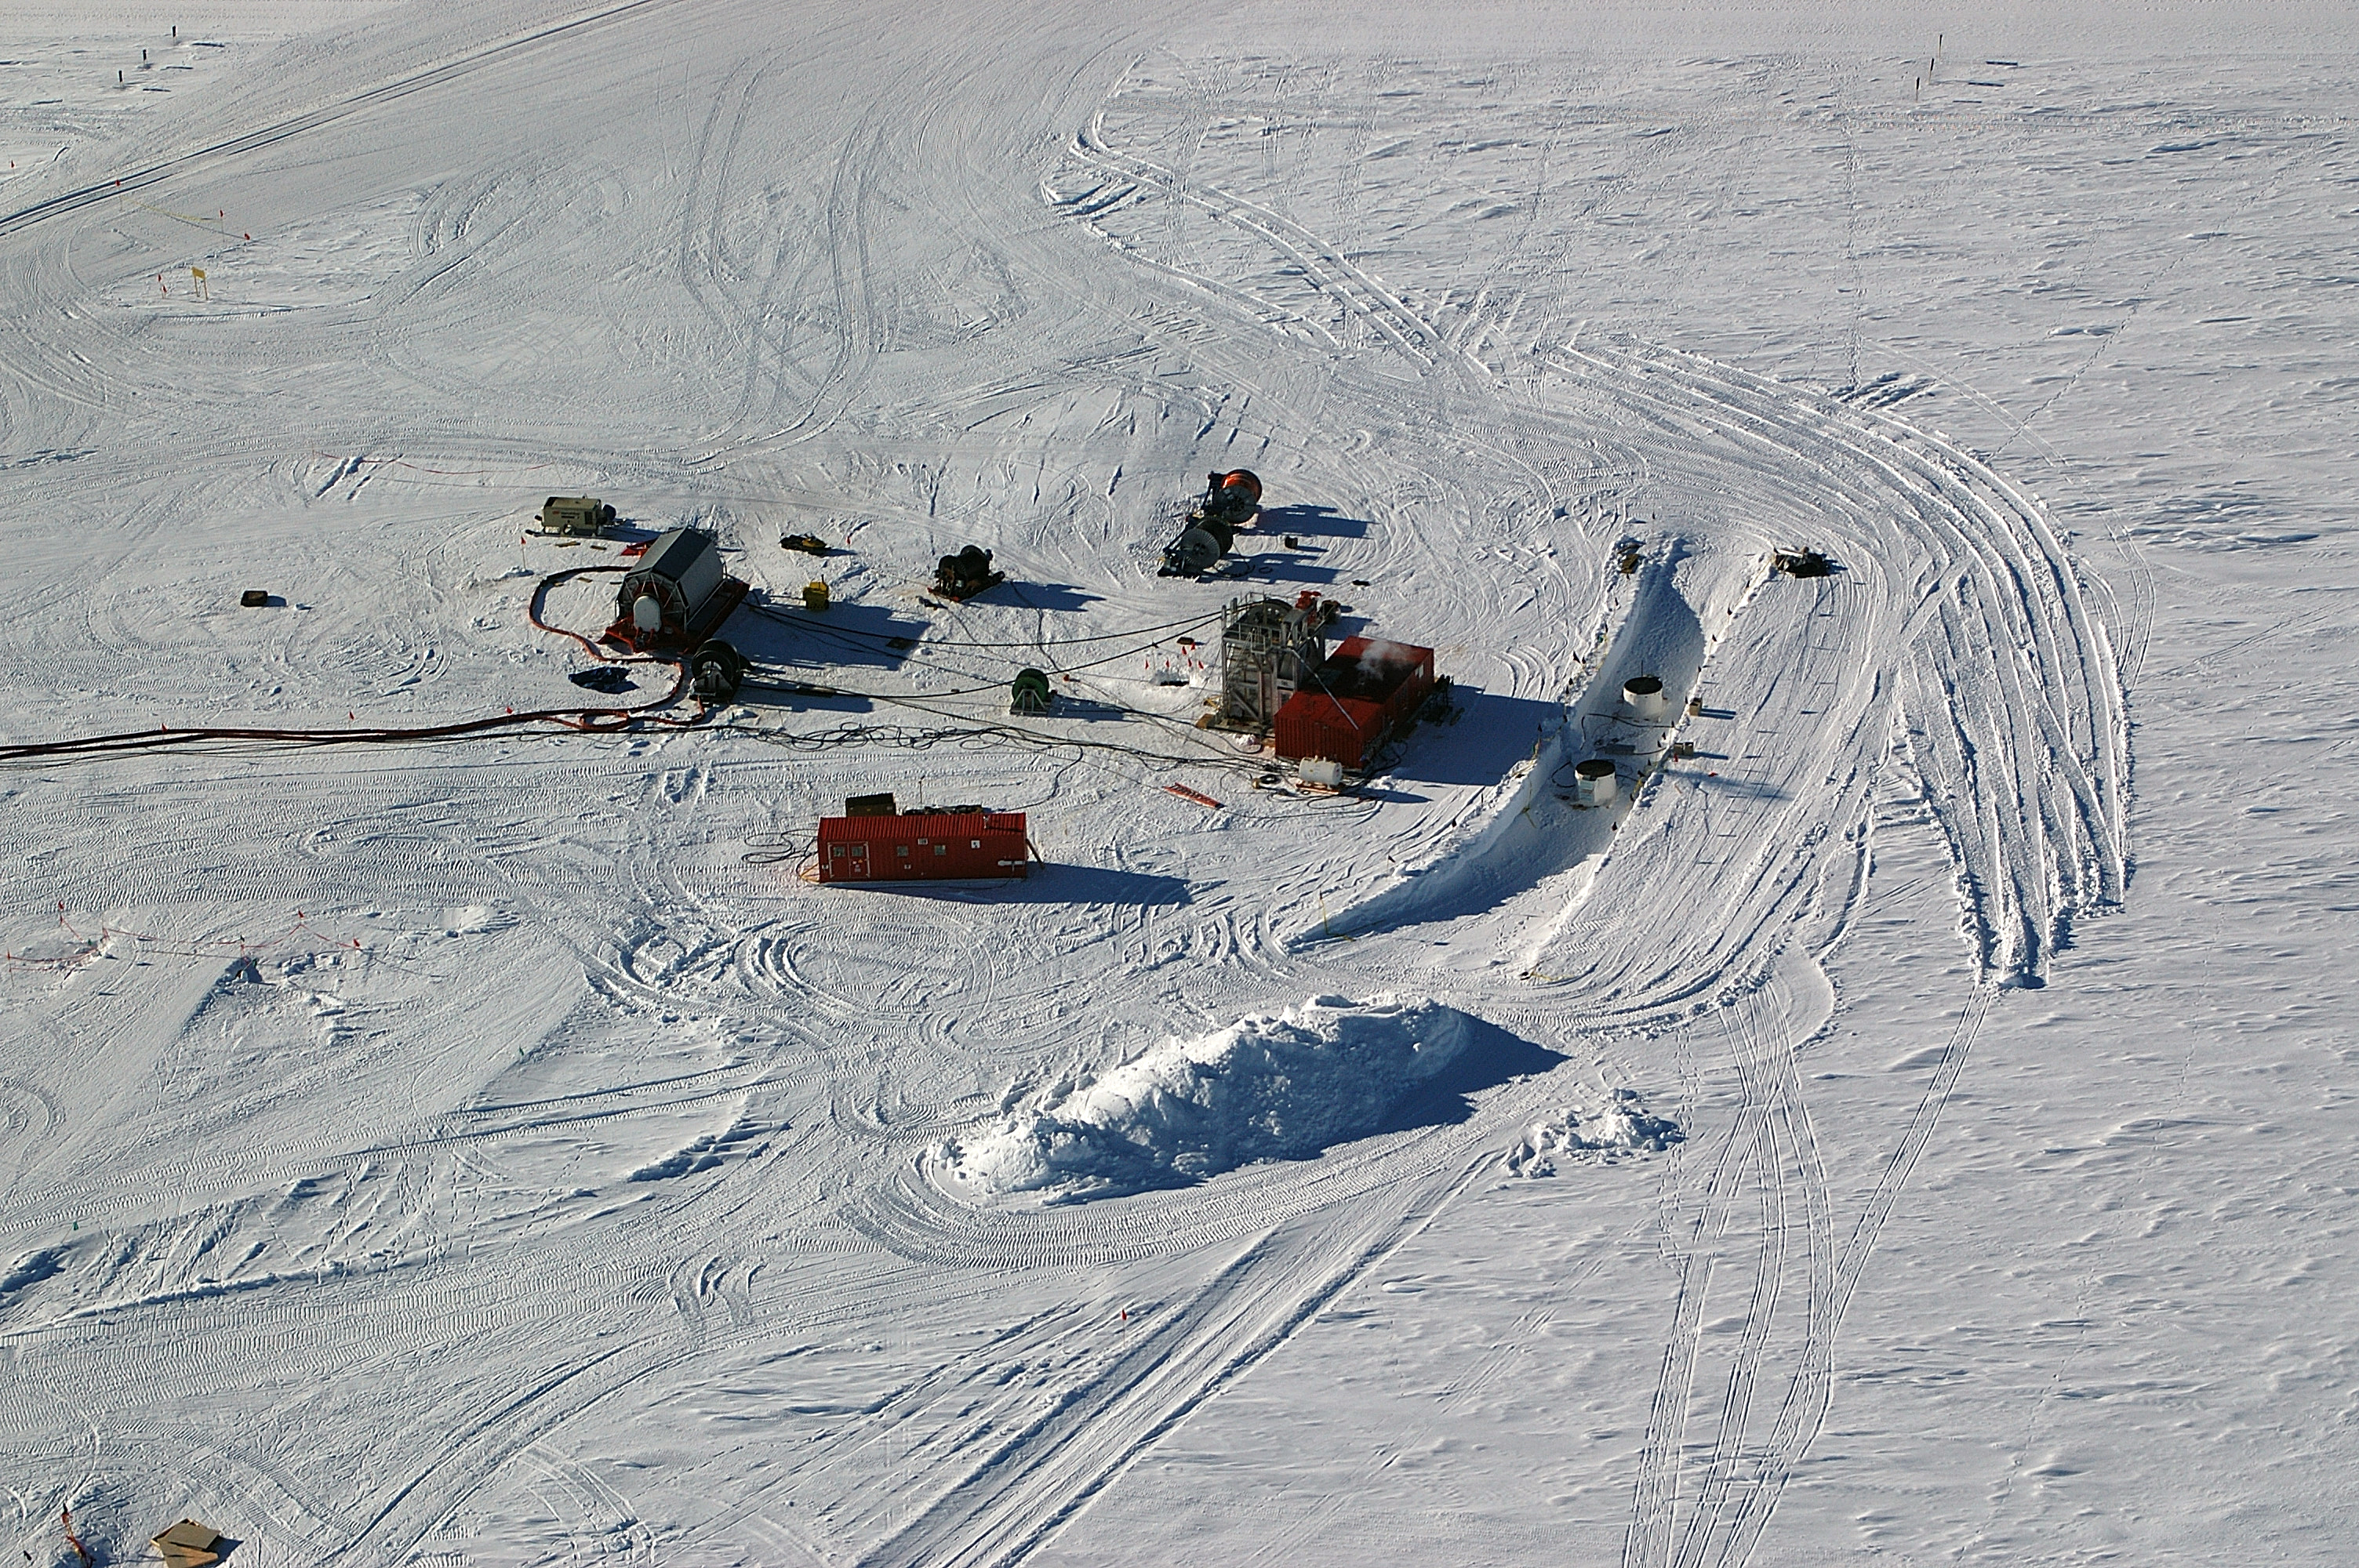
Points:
[[681, 568]]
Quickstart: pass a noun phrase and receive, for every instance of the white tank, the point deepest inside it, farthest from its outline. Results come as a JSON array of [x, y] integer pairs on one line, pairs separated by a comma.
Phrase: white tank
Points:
[[1595, 782], [1644, 694], [1324, 772], [646, 612]]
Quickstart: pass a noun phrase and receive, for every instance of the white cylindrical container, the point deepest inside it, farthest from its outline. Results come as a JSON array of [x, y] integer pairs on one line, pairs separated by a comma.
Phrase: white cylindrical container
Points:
[[1595, 782], [1644, 694]]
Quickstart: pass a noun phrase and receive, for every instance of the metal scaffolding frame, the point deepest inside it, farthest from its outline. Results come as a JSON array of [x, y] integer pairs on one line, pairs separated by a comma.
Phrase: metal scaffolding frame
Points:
[[1268, 648]]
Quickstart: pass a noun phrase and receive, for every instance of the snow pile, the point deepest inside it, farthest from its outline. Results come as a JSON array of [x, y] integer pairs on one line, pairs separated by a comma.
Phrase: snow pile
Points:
[[1620, 1127], [1266, 1087]]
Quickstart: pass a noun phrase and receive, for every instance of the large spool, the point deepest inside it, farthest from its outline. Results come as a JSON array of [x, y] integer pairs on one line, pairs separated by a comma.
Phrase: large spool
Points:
[[716, 671], [1031, 692], [1194, 552], [1596, 781], [1644, 697]]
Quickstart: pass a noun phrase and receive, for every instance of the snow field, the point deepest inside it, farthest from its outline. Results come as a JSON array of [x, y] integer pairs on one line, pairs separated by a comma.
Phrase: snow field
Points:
[[567, 1180]]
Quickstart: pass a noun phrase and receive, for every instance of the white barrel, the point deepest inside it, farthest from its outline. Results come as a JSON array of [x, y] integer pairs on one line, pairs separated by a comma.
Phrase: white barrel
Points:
[[1595, 782], [1644, 694], [646, 612]]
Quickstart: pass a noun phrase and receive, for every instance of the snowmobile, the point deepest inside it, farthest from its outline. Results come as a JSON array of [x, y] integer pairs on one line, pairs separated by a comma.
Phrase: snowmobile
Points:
[[1231, 504]]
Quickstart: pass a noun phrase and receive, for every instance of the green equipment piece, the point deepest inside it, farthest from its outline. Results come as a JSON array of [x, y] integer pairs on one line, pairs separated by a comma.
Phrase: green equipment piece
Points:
[[1030, 693]]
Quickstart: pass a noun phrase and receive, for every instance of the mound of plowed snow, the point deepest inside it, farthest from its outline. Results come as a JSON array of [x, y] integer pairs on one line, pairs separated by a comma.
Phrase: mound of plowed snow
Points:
[[1620, 1126], [1266, 1087]]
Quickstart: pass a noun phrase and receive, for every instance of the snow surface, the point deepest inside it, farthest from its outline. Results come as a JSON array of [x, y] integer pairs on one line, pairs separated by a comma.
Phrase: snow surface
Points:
[[490, 1150]]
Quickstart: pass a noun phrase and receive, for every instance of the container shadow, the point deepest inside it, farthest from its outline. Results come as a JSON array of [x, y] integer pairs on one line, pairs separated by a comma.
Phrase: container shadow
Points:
[[1039, 595], [1280, 566], [1087, 709], [861, 635], [1492, 734], [1311, 521], [1384, 797], [1492, 1057], [1048, 883], [786, 695]]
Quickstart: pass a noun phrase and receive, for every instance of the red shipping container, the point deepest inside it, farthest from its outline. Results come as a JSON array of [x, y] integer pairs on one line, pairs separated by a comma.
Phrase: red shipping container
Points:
[[938, 845], [1340, 729], [1366, 690]]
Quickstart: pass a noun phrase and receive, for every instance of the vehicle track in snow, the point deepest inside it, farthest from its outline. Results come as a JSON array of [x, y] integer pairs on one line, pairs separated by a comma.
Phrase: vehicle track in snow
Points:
[[1881, 492], [2019, 680], [168, 167], [1019, 1494]]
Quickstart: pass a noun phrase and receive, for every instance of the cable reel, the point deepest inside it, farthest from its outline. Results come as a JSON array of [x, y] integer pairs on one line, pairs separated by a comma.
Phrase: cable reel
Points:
[[716, 670], [1030, 692]]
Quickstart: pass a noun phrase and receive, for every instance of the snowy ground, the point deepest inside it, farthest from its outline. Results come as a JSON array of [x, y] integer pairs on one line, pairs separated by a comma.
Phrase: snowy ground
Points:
[[1911, 1129]]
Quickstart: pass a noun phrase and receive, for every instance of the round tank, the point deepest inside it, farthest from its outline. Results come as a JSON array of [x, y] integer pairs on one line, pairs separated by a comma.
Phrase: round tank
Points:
[[646, 612], [1644, 694], [1595, 782]]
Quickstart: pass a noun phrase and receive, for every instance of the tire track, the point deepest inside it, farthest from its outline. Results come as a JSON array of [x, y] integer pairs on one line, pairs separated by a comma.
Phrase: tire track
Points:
[[1654, 1489], [150, 175], [1015, 1500]]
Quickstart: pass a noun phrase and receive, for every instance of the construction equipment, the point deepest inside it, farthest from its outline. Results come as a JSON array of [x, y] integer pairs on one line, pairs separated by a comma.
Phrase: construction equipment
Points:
[[1269, 649], [1030, 693], [1231, 504], [1801, 563], [676, 597], [575, 514], [815, 596], [809, 544], [716, 669], [966, 574]]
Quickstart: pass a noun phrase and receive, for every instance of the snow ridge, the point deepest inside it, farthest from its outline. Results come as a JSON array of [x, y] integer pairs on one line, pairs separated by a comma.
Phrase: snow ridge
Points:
[[1278, 1087]]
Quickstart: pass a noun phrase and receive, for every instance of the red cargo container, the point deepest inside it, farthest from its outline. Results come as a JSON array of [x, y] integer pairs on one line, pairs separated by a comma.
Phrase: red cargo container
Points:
[[929, 847], [1343, 730], [1366, 692]]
